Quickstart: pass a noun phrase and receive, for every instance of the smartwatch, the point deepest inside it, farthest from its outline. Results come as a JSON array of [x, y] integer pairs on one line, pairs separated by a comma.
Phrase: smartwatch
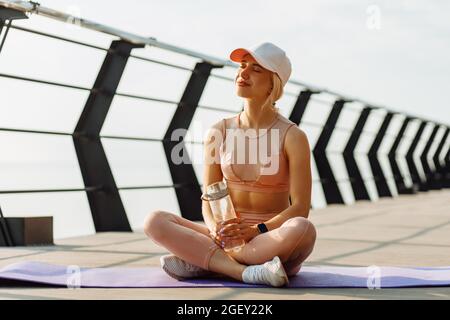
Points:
[[262, 228]]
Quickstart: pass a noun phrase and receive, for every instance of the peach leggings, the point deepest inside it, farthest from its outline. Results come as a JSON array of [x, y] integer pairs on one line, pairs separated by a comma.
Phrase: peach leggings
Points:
[[293, 241]]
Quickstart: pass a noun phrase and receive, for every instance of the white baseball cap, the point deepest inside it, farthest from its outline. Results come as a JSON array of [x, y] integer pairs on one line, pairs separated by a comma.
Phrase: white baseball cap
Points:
[[269, 56]]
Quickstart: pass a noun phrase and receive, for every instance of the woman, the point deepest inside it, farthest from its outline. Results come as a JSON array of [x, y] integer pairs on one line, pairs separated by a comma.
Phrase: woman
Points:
[[277, 234]]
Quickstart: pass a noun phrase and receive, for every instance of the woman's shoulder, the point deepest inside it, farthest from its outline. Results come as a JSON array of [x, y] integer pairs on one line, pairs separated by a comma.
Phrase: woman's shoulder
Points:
[[296, 139]]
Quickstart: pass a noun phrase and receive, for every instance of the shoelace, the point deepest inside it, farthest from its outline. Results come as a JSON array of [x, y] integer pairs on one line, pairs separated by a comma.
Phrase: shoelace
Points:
[[259, 274]]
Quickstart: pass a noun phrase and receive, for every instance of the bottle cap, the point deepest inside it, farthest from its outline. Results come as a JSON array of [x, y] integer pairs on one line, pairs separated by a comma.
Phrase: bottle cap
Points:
[[216, 191]]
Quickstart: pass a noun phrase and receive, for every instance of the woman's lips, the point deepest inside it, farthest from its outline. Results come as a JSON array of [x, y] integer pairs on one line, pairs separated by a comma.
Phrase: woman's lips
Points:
[[243, 84]]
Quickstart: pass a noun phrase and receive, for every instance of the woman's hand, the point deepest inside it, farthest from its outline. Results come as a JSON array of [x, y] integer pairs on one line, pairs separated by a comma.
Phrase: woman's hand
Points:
[[214, 233], [238, 229]]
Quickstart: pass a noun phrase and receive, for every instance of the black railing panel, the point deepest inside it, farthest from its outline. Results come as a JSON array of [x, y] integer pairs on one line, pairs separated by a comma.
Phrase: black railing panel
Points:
[[356, 178], [106, 205], [439, 166], [431, 179], [300, 106], [330, 185], [183, 172]]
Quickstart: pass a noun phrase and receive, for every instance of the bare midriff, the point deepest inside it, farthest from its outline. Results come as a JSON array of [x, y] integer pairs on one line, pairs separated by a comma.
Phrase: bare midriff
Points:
[[260, 202]]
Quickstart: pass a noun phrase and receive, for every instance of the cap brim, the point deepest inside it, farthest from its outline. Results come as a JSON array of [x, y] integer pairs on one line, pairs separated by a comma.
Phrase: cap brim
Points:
[[237, 54]]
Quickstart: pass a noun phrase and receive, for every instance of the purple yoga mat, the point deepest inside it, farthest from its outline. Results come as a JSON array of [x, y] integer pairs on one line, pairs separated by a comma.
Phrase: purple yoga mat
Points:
[[33, 273]]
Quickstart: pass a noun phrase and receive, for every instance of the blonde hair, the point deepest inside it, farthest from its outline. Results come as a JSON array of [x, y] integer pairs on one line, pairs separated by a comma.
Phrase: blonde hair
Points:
[[275, 94], [277, 91]]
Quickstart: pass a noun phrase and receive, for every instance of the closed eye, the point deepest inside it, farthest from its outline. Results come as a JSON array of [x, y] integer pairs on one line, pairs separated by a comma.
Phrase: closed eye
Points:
[[255, 69]]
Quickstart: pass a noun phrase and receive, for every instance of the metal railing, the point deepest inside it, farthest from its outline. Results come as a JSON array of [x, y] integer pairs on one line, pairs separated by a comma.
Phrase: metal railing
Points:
[[103, 194]]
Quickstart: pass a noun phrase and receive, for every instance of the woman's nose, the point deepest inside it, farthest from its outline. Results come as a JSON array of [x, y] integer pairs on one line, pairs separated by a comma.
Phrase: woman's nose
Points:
[[244, 73]]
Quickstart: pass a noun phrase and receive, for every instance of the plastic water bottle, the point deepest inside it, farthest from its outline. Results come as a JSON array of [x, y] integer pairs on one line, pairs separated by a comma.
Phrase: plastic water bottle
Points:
[[223, 210]]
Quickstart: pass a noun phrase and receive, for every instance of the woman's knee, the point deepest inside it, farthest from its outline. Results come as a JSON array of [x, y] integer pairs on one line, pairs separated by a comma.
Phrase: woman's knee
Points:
[[302, 234], [154, 223], [302, 230]]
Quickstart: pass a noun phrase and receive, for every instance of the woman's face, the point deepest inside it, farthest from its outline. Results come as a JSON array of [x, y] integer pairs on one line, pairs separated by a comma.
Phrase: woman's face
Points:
[[257, 81]]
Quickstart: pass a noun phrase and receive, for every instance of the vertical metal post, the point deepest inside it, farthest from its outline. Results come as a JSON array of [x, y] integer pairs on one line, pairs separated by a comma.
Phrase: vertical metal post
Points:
[[329, 183], [300, 106], [431, 179], [440, 169], [447, 169], [7, 15], [415, 177], [392, 156], [5, 232], [2, 40], [380, 179], [188, 194], [107, 210], [299, 109], [356, 180]]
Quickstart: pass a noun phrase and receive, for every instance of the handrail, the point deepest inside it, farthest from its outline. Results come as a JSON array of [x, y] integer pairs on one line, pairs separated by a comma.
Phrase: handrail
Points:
[[36, 8]]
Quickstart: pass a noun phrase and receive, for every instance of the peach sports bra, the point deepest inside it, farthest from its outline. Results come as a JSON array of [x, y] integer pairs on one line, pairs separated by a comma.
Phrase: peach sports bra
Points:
[[268, 173]]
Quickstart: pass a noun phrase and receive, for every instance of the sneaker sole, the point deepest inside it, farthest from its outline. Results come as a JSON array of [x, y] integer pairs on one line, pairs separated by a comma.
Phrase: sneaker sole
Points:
[[284, 274]]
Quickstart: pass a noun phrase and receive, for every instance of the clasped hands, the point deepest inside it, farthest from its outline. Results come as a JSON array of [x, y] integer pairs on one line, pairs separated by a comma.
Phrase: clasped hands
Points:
[[233, 229]]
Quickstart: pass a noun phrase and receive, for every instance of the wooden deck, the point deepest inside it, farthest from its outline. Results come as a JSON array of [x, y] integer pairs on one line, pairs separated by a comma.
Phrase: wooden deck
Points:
[[410, 230]]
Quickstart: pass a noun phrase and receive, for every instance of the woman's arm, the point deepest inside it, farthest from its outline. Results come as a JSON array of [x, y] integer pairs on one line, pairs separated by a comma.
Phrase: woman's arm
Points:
[[299, 154], [212, 171]]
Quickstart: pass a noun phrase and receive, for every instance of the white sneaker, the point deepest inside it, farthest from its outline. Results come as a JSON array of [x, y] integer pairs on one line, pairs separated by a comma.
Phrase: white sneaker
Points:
[[270, 273], [179, 269]]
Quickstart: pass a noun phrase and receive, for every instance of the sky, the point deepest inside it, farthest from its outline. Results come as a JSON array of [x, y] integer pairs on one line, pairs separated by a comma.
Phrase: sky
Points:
[[389, 53]]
